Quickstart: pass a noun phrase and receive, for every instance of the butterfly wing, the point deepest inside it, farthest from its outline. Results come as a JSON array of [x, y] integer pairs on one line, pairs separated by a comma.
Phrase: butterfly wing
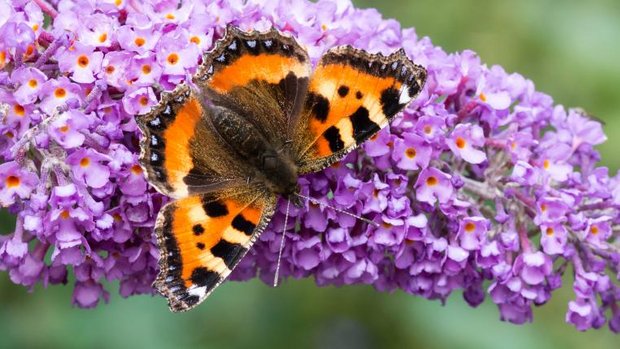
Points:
[[262, 76], [182, 154], [202, 238], [351, 96]]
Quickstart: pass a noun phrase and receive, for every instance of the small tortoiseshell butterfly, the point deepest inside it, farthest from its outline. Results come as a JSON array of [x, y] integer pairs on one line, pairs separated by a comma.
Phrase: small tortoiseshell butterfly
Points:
[[260, 119]]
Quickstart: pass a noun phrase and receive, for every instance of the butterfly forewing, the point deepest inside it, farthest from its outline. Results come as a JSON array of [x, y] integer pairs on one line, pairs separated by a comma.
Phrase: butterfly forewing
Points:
[[181, 152], [261, 76], [352, 95]]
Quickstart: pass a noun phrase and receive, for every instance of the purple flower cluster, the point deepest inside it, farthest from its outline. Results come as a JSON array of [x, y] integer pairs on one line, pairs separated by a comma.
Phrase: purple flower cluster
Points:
[[483, 184]]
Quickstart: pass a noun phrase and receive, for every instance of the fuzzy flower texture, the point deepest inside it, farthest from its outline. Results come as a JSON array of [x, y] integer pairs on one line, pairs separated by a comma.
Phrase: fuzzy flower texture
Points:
[[481, 184]]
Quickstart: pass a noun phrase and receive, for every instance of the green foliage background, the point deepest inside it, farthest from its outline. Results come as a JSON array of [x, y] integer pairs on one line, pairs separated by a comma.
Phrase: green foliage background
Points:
[[569, 48]]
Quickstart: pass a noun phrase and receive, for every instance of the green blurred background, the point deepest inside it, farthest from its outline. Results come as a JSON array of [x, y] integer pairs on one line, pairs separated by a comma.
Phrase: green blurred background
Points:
[[570, 49]]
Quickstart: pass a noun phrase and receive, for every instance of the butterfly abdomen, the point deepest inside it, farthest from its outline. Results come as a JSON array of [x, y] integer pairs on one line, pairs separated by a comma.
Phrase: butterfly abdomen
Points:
[[274, 168]]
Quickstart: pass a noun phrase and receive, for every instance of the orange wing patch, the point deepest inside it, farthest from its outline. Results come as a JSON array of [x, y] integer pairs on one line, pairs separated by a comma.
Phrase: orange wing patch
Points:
[[177, 156], [203, 238], [267, 67]]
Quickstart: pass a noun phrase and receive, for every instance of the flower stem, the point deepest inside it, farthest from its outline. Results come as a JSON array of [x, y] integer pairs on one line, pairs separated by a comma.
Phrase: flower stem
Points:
[[47, 8]]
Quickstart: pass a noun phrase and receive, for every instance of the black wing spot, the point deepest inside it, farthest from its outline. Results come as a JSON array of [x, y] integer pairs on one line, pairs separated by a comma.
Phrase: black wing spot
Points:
[[343, 91], [200, 246], [215, 209], [359, 95], [389, 101], [332, 135], [414, 88], [243, 225], [363, 127], [198, 229], [202, 276], [320, 106], [227, 251], [191, 300]]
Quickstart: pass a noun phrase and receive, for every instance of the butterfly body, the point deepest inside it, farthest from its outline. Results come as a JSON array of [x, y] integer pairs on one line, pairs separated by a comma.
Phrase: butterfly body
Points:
[[260, 119], [274, 168]]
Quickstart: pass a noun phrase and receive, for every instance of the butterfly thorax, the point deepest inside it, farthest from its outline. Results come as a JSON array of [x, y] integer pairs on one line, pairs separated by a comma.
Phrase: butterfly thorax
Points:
[[272, 164]]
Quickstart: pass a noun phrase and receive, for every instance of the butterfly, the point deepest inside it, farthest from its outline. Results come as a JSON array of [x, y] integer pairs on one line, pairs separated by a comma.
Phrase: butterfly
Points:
[[259, 117]]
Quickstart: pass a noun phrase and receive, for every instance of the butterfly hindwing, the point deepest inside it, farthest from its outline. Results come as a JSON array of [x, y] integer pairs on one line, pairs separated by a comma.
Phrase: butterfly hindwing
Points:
[[181, 152], [262, 76], [202, 238], [352, 95]]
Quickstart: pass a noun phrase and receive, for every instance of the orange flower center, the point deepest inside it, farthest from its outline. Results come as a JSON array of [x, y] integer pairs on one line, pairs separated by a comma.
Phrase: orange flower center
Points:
[[33, 83], [170, 16], [146, 69], [144, 101], [410, 152], [12, 181], [195, 40], [103, 37], [117, 217], [139, 41], [9, 134], [82, 61], [483, 97], [64, 214], [460, 142], [428, 129], [173, 58], [19, 110], [110, 69], [549, 231], [118, 2], [136, 169], [35, 27], [546, 164], [431, 181], [64, 129], [29, 51], [594, 230], [543, 207], [85, 162], [470, 227], [60, 92]]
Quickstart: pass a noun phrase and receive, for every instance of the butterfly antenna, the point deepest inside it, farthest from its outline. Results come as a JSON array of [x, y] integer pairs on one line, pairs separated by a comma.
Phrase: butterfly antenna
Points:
[[366, 220], [276, 276]]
